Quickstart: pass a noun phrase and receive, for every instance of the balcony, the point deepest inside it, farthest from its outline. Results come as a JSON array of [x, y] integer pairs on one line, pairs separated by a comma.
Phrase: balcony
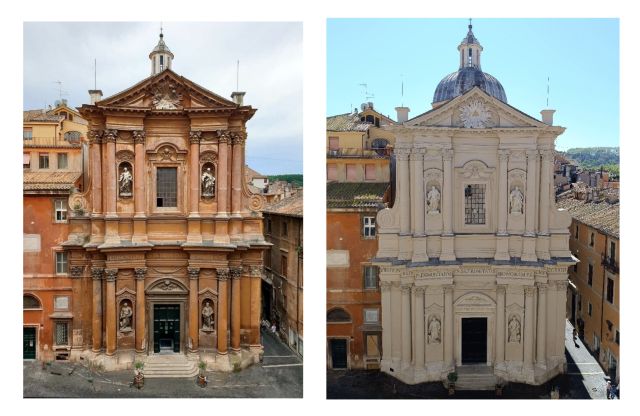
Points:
[[51, 142], [610, 264], [357, 153]]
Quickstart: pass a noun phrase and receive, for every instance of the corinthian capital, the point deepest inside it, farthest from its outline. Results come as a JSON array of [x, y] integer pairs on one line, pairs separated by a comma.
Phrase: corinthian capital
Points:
[[195, 136], [223, 136], [503, 155], [223, 273], [447, 155], [140, 272], [110, 136], [95, 136], [96, 272], [111, 274], [76, 271], [138, 136], [237, 138], [235, 272], [547, 155]]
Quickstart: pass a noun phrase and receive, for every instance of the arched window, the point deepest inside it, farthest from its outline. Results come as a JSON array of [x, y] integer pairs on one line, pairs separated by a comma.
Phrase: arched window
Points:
[[30, 302], [338, 315], [370, 119]]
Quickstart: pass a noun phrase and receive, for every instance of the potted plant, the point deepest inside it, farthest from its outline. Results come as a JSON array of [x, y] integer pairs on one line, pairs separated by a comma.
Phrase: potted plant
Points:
[[452, 377], [138, 379], [499, 388], [202, 379]]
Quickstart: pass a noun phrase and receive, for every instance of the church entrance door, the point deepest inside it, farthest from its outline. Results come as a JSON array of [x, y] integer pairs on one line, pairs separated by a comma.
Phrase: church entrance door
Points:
[[338, 353], [29, 343], [474, 340], [166, 328]]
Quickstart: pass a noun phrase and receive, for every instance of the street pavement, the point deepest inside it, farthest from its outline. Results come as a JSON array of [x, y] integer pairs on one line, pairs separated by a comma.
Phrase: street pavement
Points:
[[584, 380], [279, 375]]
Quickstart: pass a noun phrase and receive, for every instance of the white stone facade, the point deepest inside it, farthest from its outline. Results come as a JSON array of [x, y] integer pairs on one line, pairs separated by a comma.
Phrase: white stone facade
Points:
[[483, 249]]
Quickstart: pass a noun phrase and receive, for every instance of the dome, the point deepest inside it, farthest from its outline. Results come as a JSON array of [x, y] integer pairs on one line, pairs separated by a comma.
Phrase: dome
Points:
[[464, 79]]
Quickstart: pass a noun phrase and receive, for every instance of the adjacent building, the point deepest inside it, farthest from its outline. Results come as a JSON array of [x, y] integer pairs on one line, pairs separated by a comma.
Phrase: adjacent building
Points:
[[165, 246], [473, 253], [593, 301], [283, 282]]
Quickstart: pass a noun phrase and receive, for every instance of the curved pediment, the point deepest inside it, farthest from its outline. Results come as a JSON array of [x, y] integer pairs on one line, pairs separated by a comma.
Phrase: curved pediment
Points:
[[167, 286], [475, 299]]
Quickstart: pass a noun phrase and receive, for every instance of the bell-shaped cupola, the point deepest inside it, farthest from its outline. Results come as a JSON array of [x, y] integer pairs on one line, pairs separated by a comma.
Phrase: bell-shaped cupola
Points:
[[160, 56]]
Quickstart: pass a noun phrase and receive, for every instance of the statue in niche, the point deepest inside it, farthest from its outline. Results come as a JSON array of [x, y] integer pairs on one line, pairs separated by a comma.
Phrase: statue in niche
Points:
[[514, 330], [433, 201], [208, 183], [125, 317], [125, 182], [517, 201], [207, 317], [433, 333]]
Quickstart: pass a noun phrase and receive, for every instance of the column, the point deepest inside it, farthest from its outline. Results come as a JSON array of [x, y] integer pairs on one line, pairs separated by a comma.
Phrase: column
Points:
[[111, 217], [236, 173], [545, 189], [402, 156], [396, 322], [194, 172], [448, 326], [256, 280], [385, 288], [447, 191], [223, 275], [235, 273], [561, 301], [419, 337], [406, 325], [221, 197], [194, 308], [96, 327], [140, 273], [530, 207], [417, 194], [96, 171], [541, 357], [503, 191], [528, 326], [76, 273], [500, 325], [111, 275], [139, 194]]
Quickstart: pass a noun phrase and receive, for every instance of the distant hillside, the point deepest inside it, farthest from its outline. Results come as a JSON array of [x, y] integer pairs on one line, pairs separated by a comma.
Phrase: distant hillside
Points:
[[294, 178], [594, 157]]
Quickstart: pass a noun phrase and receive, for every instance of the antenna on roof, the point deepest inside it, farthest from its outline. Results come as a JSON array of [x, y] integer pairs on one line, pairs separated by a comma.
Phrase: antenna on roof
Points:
[[238, 75], [547, 91], [401, 90], [95, 74]]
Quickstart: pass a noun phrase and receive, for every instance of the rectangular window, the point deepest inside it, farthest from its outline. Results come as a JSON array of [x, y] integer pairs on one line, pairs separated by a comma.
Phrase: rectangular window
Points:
[[609, 290], [283, 266], [371, 316], [474, 208], [43, 159], [26, 160], [62, 161], [576, 231], [167, 187], [61, 262], [590, 276], [62, 333], [351, 172], [612, 252], [369, 227], [592, 239], [617, 337], [372, 345], [267, 259], [332, 172], [285, 228], [370, 277], [590, 309], [60, 210], [370, 172], [334, 144], [596, 342], [27, 133], [268, 225], [575, 268]]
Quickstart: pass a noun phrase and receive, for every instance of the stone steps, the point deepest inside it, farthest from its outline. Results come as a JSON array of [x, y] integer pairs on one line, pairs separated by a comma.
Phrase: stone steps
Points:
[[476, 378], [169, 366]]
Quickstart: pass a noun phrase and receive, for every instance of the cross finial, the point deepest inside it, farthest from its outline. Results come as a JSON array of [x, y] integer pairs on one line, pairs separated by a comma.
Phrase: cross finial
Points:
[[161, 35], [470, 25]]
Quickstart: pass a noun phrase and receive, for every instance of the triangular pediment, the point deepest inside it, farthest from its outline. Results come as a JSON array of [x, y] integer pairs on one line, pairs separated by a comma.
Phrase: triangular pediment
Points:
[[475, 109], [166, 91]]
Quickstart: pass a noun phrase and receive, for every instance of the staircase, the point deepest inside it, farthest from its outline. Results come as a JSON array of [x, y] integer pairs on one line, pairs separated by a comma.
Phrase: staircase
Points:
[[169, 366], [475, 377]]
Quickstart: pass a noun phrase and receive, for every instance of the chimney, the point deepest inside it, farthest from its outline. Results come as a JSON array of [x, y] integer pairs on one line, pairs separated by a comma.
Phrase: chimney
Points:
[[547, 116], [237, 97], [96, 95], [402, 114]]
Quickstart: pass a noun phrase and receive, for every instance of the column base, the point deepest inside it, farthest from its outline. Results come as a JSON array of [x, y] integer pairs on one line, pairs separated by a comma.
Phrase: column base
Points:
[[529, 248], [447, 252], [502, 248], [419, 249]]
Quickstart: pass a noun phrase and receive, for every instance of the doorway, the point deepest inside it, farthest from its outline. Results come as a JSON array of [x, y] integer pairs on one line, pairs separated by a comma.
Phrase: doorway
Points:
[[166, 329], [28, 343], [474, 340], [338, 349]]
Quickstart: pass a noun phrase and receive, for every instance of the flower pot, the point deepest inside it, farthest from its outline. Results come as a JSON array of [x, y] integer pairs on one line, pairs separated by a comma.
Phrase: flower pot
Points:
[[138, 380], [452, 389], [202, 380]]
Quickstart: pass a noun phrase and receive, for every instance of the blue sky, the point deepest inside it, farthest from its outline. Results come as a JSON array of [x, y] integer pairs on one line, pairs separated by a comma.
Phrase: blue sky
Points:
[[580, 56]]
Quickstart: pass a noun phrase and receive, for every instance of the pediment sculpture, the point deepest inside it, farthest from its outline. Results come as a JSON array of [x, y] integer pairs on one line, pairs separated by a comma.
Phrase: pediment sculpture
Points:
[[166, 96]]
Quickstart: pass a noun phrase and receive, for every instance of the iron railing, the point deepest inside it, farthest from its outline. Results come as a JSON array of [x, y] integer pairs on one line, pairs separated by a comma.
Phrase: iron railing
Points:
[[48, 142]]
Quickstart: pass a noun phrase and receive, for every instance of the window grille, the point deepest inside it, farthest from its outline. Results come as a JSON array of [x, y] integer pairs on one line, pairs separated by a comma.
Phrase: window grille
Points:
[[474, 206], [167, 189], [62, 333]]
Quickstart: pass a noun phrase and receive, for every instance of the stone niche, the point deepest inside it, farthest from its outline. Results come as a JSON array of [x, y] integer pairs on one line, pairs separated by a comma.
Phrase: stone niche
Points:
[[208, 338], [126, 337]]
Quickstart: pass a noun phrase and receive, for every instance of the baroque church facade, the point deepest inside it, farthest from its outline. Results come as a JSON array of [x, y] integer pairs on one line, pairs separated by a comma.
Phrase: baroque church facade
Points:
[[166, 244], [473, 254]]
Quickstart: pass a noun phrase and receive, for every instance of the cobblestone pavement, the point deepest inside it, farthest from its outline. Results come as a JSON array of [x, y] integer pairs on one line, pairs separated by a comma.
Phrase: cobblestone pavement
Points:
[[584, 380], [279, 375]]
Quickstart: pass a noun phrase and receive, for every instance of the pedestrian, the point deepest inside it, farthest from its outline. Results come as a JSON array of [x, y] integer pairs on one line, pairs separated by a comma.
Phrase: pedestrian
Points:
[[575, 337], [273, 328], [609, 390]]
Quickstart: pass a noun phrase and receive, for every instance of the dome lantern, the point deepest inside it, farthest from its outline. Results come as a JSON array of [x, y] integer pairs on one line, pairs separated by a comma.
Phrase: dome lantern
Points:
[[160, 56]]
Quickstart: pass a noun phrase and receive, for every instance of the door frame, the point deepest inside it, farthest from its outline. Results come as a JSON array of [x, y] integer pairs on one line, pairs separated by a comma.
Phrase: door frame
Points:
[[182, 302], [330, 356], [37, 327], [474, 304], [487, 340]]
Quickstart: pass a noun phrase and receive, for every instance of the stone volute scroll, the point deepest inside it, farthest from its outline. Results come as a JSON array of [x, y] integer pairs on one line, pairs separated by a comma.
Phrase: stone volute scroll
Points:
[[514, 330], [195, 136], [433, 330], [126, 317], [516, 201], [138, 136]]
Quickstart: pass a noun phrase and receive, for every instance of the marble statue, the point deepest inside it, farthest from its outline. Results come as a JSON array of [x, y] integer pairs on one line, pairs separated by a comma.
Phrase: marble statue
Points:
[[433, 201], [434, 331], [125, 317], [514, 330], [517, 201], [207, 317], [208, 183], [124, 182]]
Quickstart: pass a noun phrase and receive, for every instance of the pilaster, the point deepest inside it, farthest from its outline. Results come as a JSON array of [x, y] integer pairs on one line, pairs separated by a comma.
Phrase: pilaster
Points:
[[140, 274]]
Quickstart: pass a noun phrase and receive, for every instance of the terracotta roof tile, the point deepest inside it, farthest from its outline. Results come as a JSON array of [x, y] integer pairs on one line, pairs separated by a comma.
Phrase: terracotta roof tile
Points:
[[603, 216], [39, 115], [292, 206], [33, 181], [346, 122], [355, 194]]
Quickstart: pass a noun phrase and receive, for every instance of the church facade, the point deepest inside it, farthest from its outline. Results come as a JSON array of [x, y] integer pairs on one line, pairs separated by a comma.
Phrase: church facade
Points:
[[473, 254], [165, 246]]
